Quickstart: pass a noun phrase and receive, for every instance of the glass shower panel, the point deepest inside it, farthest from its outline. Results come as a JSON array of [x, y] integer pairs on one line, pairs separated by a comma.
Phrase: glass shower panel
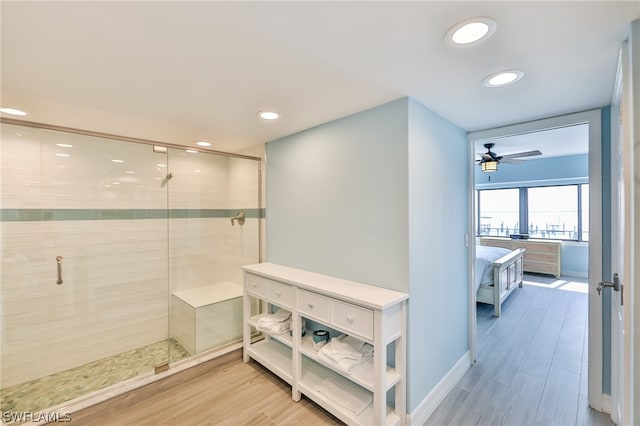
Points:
[[84, 265], [213, 231]]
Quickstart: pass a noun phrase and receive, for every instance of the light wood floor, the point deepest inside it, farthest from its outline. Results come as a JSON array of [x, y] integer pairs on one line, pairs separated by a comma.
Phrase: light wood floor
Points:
[[531, 370], [532, 363], [224, 391]]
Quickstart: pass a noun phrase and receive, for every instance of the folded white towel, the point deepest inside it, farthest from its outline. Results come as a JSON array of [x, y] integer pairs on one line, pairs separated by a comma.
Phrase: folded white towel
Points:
[[275, 328], [346, 347], [340, 354], [348, 395], [279, 316]]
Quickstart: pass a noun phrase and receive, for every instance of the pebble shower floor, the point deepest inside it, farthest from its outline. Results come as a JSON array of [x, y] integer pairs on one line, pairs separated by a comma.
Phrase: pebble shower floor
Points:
[[48, 391]]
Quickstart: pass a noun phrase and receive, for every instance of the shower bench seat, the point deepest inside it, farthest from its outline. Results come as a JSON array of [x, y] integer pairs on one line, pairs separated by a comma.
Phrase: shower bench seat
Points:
[[207, 317]]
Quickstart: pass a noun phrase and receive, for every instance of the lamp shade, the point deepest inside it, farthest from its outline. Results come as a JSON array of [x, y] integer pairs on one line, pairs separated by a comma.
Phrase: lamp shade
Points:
[[489, 166]]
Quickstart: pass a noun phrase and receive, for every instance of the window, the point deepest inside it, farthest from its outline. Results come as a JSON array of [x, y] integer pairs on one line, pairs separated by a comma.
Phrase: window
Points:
[[555, 212], [584, 208], [498, 212]]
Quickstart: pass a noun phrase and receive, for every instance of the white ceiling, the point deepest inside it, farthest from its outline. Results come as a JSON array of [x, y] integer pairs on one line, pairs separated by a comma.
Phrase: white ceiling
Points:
[[570, 140], [184, 71]]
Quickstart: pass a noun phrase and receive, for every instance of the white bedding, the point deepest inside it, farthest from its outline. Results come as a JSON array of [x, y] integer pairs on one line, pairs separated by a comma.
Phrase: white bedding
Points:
[[485, 256]]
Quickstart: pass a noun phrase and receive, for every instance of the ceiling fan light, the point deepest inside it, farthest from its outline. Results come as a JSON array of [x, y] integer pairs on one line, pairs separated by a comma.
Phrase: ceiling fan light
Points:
[[489, 166]]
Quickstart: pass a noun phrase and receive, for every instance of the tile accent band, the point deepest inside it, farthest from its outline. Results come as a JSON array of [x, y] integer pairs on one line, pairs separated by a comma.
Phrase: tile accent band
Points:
[[48, 215]]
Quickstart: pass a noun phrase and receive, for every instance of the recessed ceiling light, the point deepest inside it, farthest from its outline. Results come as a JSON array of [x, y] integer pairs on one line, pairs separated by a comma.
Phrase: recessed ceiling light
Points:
[[12, 111], [161, 165], [203, 143], [118, 161], [268, 115], [64, 145], [191, 151], [130, 172], [503, 78], [63, 155], [470, 31]]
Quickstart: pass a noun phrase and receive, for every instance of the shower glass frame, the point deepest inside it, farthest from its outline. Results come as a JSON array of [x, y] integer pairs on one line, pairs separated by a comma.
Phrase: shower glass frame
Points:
[[73, 222]]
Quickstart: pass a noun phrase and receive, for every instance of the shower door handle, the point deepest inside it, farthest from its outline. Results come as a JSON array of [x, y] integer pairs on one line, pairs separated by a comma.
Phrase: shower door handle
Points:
[[59, 261]]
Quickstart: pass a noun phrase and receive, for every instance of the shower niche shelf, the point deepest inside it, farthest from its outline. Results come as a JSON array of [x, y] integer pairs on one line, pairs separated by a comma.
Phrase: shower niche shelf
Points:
[[373, 315]]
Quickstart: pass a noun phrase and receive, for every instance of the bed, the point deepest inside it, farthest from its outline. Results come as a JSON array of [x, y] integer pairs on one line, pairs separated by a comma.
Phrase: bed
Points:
[[498, 273]]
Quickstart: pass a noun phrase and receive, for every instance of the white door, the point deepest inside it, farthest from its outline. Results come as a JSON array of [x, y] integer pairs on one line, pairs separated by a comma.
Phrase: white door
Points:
[[622, 218]]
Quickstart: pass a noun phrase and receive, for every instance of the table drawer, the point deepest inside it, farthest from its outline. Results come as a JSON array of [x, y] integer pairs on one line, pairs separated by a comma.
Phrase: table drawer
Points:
[[541, 257], [546, 248], [281, 294], [258, 286], [352, 318], [313, 305], [543, 268]]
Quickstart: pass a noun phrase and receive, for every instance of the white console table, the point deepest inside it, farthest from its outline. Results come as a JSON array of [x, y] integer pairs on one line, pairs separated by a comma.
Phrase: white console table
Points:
[[372, 314]]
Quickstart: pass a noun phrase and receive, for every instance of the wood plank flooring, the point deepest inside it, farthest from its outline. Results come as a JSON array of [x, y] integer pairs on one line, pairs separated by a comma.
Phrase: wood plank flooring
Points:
[[224, 391], [532, 363], [531, 370]]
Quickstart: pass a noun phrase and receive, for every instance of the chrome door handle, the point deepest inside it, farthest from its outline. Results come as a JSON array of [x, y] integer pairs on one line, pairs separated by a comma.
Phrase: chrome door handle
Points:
[[614, 285]]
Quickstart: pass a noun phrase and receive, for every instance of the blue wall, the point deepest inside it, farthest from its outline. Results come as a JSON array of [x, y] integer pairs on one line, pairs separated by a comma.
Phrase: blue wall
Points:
[[360, 198], [337, 198], [439, 281]]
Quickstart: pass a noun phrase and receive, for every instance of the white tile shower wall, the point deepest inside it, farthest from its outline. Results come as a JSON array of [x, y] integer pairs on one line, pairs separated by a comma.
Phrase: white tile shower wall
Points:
[[243, 183], [20, 175], [113, 299], [85, 172], [101, 174], [199, 180], [208, 251]]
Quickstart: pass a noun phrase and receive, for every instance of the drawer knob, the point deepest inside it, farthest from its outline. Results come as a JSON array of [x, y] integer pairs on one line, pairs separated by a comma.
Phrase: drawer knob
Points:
[[349, 318], [278, 293], [310, 305]]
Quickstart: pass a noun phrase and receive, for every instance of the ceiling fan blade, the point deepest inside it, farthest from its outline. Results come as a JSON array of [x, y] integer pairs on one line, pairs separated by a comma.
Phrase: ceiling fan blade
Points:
[[522, 154], [486, 157], [511, 161]]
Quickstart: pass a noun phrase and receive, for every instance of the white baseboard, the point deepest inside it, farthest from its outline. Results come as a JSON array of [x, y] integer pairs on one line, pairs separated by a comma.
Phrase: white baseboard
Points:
[[575, 274], [429, 404]]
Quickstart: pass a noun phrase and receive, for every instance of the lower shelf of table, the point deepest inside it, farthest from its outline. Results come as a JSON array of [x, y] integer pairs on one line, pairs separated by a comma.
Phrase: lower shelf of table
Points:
[[275, 356], [322, 385], [312, 381]]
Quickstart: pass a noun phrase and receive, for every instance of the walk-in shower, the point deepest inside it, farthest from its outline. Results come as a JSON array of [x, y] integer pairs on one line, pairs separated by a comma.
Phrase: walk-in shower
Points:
[[118, 257]]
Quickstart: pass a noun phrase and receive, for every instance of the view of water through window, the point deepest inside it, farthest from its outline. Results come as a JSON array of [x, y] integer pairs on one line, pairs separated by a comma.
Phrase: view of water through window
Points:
[[499, 214], [554, 212]]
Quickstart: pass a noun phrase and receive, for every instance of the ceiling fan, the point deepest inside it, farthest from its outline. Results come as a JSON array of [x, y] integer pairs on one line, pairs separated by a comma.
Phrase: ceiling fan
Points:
[[490, 160]]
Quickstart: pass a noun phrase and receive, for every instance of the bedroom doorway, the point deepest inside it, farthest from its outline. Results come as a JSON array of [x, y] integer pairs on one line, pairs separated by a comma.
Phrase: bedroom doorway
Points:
[[526, 218]]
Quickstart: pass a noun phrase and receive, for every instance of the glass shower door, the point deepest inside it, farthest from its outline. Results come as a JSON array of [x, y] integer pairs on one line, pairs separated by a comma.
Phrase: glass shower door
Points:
[[83, 282], [213, 231]]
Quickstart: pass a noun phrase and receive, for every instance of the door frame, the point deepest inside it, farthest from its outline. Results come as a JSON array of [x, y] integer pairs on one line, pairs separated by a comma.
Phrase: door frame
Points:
[[621, 383], [594, 119]]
